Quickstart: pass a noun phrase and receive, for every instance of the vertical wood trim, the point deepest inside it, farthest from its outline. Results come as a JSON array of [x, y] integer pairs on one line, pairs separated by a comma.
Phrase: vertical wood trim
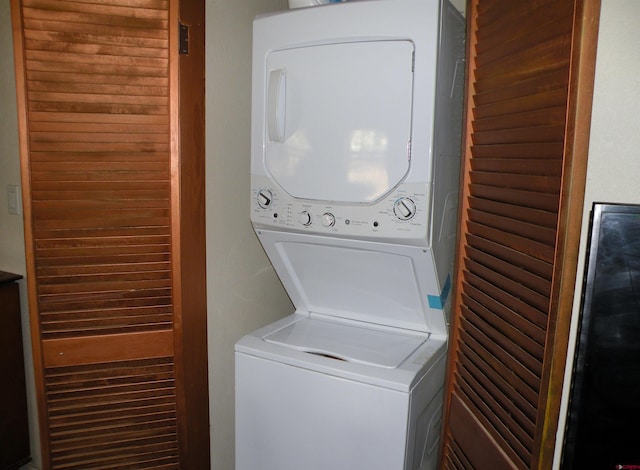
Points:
[[581, 83], [176, 206], [193, 236], [25, 171], [463, 207]]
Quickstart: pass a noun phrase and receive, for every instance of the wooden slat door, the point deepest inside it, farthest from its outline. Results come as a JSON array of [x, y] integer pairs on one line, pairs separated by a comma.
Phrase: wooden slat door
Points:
[[102, 175], [529, 86]]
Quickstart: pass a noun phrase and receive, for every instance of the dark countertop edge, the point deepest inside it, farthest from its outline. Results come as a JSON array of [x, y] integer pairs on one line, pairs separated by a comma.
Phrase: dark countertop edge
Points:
[[6, 277]]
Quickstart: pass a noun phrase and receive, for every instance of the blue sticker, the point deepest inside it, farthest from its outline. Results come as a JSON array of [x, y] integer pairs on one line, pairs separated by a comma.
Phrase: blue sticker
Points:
[[438, 301]]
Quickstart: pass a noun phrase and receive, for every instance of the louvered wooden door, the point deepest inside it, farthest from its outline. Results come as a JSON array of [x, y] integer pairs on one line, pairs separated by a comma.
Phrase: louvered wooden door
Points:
[[102, 173], [530, 73]]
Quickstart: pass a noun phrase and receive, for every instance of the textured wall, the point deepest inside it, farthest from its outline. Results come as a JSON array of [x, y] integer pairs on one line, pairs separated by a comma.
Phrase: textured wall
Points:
[[243, 290]]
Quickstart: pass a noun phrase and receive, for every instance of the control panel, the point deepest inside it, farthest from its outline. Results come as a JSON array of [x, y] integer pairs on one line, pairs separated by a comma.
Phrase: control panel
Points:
[[402, 215]]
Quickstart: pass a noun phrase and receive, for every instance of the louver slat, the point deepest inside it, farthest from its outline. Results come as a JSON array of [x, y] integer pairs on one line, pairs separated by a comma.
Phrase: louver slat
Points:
[[130, 421], [97, 102], [520, 54]]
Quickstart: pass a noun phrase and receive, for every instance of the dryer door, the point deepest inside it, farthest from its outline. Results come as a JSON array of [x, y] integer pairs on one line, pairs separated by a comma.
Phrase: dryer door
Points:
[[338, 119]]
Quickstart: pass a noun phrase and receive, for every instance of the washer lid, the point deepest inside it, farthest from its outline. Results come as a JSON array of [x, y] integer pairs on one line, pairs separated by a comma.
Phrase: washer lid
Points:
[[347, 342], [338, 119]]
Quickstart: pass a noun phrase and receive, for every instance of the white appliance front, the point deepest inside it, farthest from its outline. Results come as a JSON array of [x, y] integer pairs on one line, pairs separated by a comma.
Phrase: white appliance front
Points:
[[354, 181], [298, 406], [344, 98], [338, 119]]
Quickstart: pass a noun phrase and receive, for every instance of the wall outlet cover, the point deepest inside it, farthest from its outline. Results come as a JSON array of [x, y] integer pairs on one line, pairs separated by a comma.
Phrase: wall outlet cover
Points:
[[14, 199]]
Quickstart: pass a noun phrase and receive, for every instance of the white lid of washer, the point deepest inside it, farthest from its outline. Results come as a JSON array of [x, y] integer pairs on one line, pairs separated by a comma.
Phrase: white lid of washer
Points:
[[377, 283], [347, 343]]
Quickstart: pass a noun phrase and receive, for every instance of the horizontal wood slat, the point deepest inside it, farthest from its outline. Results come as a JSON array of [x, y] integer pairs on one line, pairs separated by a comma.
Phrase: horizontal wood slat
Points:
[[500, 359], [516, 197], [536, 86], [513, 303], [501, 312], [529, 215], [106, 348], [504, 268], [113, 415]]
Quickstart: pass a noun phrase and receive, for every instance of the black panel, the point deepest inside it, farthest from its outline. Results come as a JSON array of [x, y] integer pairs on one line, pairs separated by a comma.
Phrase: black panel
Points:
[[603, 426]]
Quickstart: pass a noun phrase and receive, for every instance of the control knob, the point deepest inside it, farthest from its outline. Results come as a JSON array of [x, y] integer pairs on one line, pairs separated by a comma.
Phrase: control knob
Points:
[[265, 198], [305, 218], [404, 208], [328, 219]]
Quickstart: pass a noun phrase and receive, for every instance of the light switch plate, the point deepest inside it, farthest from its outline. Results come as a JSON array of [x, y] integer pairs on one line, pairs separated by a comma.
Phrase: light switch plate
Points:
[[14, 199]]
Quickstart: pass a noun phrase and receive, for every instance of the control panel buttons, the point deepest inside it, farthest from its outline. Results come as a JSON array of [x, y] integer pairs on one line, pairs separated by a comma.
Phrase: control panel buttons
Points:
[[328, 219], [305, 218], [265, 198], [399, 217], [404, 208]]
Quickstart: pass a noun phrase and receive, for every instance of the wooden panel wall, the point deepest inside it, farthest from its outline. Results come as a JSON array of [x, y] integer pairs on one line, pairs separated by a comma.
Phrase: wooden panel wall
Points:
[[100, 149], [529, 77]]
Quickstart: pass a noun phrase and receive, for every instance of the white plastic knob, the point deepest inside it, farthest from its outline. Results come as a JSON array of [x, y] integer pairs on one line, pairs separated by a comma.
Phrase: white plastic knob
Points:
[[404, 208], [305, 218], [328, 219]]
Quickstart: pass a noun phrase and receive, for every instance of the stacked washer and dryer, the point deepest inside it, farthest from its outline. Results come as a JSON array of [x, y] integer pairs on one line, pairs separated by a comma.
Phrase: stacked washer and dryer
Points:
[[357, 115]]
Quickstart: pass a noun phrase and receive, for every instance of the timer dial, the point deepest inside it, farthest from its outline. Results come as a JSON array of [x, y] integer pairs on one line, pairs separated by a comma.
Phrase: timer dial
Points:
[[328, 219], [305, 218], [404, 208], [265, 198]]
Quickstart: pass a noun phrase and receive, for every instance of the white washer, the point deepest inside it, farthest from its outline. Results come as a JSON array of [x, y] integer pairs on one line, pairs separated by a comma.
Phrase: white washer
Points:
[[376, 404], [354, 181], [349, 381]]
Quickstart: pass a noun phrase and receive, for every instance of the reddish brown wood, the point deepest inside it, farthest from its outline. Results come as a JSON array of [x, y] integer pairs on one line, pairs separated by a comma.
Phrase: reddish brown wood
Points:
[[193, 343], [530, 78], [107, 348], [112, 151], [480, 449], [585, 39]]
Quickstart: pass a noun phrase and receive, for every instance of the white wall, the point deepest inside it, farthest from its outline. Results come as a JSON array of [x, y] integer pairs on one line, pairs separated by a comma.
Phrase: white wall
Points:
[[12, 257], [614, 148], [243, 291], [11, 240]]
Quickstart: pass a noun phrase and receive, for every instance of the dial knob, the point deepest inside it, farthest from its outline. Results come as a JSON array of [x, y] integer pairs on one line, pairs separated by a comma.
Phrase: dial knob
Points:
[[265, 198], [404, 208], [328, 219], [305, 218]]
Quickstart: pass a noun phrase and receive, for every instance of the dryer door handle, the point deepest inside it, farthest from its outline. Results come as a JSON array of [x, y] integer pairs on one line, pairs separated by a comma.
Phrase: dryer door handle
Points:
[[276, 105]]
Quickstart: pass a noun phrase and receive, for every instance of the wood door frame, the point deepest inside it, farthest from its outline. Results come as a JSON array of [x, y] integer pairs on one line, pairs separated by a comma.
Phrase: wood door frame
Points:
[[578, 125], [188, 120]]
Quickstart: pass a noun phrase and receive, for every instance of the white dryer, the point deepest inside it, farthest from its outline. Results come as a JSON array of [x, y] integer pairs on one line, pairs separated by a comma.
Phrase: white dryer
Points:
[[354, 184]]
